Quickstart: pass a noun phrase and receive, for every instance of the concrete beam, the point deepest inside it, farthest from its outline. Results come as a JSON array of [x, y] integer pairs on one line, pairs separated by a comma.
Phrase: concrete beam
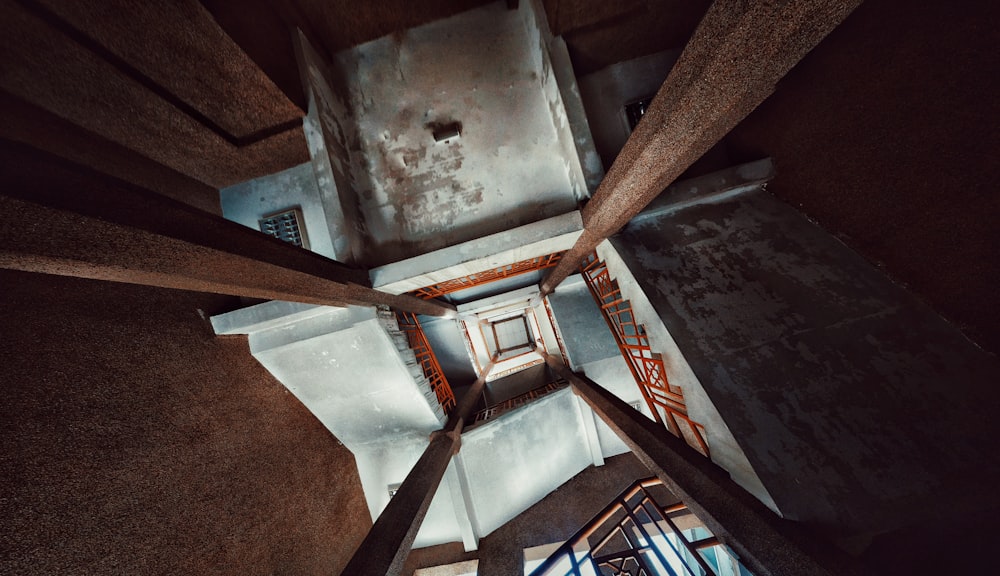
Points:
[[766, 544], [388, 543], [62, 218], [462, 501], [84, 247], [731, 64], [522, 243]]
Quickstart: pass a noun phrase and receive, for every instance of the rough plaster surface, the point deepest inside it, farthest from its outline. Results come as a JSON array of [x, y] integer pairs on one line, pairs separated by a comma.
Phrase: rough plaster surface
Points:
[[585, 334], [858, 407], [897, 161], [723, 446], [484, 69], [732, 62], [553, 519], [134, 441], [523, 455], [167, 118], [296, 187]]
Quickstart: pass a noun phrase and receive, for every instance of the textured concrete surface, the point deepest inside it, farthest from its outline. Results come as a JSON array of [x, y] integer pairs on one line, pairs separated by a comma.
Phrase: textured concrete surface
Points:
[[859, 408], [885, 135], [108, 229], [585, 334], [330, 133], [135, 75], [603, 33], [155, 52], [296, 187], [487, 70], [730, 65], [554, 519], [607, 91], [136, 442], [766, 544], [39, 128], [488, 252], [514, 461]]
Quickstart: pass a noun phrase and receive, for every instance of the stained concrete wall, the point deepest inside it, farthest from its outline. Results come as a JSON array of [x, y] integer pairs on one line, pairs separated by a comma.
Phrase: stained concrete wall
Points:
[[481, 68], [331, 135], [134, 441], [858, 407]]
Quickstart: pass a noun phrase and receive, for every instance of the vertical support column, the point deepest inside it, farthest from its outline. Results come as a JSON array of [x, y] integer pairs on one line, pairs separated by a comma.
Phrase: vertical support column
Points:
[[732, 63], [765, 543], [385, 548]]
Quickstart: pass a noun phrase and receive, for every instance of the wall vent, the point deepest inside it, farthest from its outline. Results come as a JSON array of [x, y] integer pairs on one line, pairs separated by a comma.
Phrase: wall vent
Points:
[[286, 225]]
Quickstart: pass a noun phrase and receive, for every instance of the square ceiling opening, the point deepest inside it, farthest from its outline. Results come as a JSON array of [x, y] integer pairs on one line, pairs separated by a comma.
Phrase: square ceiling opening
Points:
[[511, 334]]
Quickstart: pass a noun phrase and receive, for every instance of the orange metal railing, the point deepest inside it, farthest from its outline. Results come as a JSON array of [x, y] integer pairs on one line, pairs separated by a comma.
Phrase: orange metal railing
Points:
[[664, 400], [487, 276], [410, 326], [518, 401]]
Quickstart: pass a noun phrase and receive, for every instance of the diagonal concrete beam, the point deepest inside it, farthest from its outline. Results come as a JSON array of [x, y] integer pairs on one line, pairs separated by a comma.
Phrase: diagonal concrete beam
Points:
[[766, 544], [732, 63], [388, 543], [65, 219]]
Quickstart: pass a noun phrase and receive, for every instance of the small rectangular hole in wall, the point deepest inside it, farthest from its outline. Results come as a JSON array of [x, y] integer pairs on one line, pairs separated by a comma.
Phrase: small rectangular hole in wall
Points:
[[637, 405], [286, 225], [636, 110], [393, 488], [446, 132]]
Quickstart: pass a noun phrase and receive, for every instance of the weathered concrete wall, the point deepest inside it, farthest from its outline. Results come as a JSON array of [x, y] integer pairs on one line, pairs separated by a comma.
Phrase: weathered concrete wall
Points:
[[250, 201], [331, 135], [134, 441], [879, 135], [479, 68], [518, 383], [858, 407], [516, 460]]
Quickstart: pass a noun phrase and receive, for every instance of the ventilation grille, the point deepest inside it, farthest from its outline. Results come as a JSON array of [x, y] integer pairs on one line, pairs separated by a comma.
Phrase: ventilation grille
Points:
[[286, 226]]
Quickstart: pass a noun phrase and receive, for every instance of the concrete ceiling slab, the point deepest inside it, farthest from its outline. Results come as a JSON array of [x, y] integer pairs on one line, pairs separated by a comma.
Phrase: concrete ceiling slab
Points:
[[483, 70]]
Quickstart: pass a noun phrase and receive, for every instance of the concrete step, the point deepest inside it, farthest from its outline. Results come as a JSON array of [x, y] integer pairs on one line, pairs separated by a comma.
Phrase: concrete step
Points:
[[399, 339]]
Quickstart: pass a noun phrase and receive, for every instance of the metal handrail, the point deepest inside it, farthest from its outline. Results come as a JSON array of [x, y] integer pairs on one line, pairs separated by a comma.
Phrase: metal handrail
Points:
[[646, 366], [424, 354]]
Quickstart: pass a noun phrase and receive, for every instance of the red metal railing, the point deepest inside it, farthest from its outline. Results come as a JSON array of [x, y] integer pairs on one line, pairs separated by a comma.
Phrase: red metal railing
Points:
[[487, 276], [665, 401], [518, 401], [555, 330], [410, 326]]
